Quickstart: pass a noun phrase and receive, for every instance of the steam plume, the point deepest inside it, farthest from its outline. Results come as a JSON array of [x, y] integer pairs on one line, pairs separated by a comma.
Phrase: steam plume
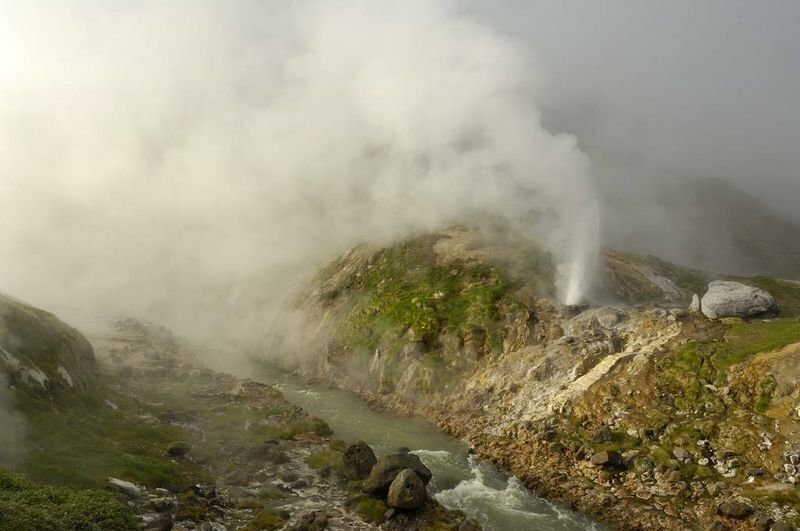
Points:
[[174, 159]]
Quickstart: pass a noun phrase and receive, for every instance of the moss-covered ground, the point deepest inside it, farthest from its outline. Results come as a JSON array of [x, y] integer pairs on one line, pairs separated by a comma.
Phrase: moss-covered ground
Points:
[[26, 506]]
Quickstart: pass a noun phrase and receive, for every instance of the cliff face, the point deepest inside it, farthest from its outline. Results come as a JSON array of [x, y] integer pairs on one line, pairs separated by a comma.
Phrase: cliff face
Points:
[[40, 353], [632, 410]]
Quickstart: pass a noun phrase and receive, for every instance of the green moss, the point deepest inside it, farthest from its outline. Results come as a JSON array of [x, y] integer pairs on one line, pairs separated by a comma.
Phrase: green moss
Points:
[[661, 456], [323, 459], [765, 389], [372, 509], [748, 338], [306, 425], [25, 506]]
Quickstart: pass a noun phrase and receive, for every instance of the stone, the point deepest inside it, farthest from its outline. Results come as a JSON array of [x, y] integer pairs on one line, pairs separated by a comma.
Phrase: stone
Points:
[[178, 449], [607, 458], [358, 460], [763, 522], [755, 472], [125, 487], [407, 491], [680, 454], [734, 509], [675, 476], [387, 468], [733, 299], [780, 526], [695, 307]]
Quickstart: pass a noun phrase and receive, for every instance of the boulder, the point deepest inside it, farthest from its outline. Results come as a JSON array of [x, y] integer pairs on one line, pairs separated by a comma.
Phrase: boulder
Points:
[[407, 491], [358, 459], [734, 509], [732, 299], [695, 305], [125, 487], [607, 458], [388, 467], [178, 449]]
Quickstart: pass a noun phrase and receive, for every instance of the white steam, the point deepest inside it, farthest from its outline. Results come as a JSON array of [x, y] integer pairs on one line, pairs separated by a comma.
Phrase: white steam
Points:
[[153, 156]]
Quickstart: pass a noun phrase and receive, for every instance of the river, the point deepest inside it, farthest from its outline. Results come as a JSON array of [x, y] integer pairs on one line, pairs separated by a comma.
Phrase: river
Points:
[[460, 481]]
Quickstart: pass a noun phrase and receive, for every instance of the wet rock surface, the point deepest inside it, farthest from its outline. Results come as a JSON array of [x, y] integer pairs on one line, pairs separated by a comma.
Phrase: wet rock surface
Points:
[[407, 491]]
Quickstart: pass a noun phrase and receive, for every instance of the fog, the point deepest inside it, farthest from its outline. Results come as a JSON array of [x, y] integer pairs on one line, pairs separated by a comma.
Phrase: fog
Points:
[[660, 93], [188, 161]]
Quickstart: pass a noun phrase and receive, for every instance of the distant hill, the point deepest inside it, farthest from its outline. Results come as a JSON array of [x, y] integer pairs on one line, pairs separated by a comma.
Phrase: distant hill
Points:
[[706, 224]]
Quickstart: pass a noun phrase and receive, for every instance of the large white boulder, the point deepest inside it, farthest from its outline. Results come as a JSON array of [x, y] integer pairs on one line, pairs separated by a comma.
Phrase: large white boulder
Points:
[[732, 299]]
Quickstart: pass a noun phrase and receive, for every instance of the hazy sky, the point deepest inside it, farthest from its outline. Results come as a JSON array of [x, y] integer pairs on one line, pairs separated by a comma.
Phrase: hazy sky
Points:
[[678, 87]]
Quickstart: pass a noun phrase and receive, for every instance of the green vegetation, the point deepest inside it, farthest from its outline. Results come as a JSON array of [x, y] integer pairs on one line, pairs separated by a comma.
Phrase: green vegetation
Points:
[[323, 459], [407, 291], [81, 441], [372, 509], [691, 367], [25, 506], [747, 338], [408, 296], [765, 389]]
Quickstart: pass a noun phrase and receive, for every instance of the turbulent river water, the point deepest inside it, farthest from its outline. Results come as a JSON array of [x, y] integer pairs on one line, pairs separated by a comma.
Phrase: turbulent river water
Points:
[[460, 481]]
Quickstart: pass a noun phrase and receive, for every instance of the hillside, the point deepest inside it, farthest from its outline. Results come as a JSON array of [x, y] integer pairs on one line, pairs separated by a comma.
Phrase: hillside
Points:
[[706, 223], [629, 408]]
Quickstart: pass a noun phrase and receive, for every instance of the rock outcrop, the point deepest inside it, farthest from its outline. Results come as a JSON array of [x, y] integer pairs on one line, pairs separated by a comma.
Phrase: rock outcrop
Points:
[[725, 298], [40, 353]]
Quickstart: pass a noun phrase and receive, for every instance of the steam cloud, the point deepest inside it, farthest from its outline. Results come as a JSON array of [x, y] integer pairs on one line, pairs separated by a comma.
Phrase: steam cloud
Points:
[[175, 159]]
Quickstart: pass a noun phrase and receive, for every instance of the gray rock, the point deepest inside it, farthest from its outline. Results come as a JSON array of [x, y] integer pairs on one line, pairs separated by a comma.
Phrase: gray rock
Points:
[[388, 467], [734, 509], [780, 526], [125, 487], [407, 491], [695, 306], [732, 299], [763, 522], [609, 317], [607, 458], [680, 454], [178, 449], [358, 459]]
